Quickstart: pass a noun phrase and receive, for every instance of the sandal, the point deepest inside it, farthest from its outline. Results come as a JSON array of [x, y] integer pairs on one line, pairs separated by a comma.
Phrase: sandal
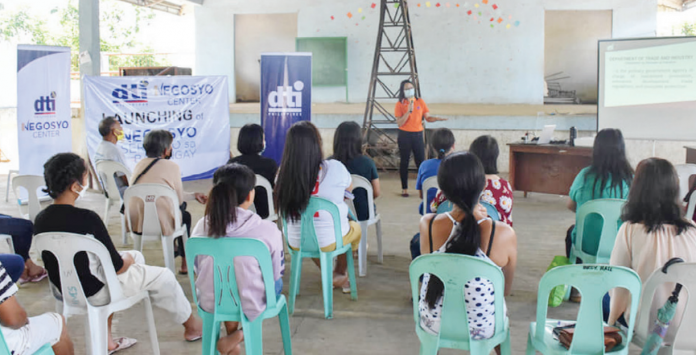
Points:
[[122, 344], [35, 278], [196, 338]]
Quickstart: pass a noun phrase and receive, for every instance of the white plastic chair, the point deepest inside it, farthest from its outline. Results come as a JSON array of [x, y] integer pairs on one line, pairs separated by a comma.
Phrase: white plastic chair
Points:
[[429, 183], [31, 183], [149, 194], [684, 171], [9, 179], [106, 170], [262, 182], [8, 239], [64, 246], [360, 182], [685, 274], [691, 207]]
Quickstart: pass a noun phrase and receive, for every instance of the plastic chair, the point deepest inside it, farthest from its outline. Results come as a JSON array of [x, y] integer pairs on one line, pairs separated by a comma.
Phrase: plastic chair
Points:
[[44, 350], [360, 182], [456, 270], [691, 207], [685, 274], [8, 239], [151, 229], [429, 183], [610, 212], [9, 179], [593, 282], [227, 307], [684, 171], [106, 170], [492, 211], [309, 248], [31, 183], [64, 246], [262, 182]]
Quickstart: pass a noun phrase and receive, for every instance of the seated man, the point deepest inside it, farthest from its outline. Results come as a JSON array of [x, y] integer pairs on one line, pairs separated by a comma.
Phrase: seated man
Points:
[[21, 231], [111, 132], [24, 335]]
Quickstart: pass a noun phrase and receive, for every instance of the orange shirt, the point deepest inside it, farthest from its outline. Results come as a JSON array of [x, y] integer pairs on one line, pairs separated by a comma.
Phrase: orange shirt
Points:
[[414, 122]]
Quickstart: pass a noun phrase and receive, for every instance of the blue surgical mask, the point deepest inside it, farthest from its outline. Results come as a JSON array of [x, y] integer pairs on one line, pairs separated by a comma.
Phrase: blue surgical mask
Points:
[[410, 93]]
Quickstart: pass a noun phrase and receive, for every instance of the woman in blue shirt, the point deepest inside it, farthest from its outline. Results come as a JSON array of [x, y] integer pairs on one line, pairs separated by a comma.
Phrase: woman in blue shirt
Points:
[[442, 141]]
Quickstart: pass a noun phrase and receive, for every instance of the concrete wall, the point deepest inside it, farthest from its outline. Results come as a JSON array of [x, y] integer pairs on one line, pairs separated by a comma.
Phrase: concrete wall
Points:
[[460, 59]]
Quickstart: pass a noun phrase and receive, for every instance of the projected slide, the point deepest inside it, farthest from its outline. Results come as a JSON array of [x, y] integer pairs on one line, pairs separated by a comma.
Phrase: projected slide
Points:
[[651, 75]]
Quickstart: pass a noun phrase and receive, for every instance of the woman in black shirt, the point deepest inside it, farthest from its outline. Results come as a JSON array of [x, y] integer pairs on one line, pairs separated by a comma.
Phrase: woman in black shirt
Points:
[[251, 143]]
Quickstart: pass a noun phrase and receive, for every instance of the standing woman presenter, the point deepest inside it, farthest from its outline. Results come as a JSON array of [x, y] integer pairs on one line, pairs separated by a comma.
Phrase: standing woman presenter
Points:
[[410, 112]]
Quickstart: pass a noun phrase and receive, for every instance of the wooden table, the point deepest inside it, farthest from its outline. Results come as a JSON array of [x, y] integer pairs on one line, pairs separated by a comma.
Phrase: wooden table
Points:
[[546, 168]]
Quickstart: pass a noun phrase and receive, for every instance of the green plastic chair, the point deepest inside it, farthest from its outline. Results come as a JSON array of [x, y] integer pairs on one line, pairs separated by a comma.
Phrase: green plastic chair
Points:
[[492, 211], [227, 304], [309, 248], [44, 350], [455, 270], [609, 210], [593, 281]]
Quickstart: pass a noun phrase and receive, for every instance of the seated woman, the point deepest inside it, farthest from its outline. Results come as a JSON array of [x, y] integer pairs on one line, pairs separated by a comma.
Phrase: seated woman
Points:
[[442, 141], [609, 176], [347, 147], [158, 169], [654, 231], [21, 231], [498, 192], [464, 231], [227, 215], [66, 180], [304, 173], [251, 143]]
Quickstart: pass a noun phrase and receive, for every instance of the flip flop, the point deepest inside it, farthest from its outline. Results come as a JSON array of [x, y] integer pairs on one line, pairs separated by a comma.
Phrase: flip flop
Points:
[[197, 338], [35, 278], [404, 194], [123, 343]]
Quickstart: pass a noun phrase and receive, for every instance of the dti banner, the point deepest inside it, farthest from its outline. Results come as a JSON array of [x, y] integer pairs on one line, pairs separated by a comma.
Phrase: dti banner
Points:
[[194, 109], [286, 97], [43, 105]]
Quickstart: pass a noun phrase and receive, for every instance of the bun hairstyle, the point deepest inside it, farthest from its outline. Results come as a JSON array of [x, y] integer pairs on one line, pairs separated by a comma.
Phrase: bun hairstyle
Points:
[[462, 179], [61, 171], [442, 141], [231, 186]]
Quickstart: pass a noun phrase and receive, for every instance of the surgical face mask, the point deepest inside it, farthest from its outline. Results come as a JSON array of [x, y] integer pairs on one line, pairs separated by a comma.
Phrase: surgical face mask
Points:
[[410, 93], [120, 136], [82, 192]]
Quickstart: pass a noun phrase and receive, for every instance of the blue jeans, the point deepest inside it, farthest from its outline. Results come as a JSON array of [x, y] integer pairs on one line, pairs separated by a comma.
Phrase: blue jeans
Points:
[[13, 264], [21, 231]]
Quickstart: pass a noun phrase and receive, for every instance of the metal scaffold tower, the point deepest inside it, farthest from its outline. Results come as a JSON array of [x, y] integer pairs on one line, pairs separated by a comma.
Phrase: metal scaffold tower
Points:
[[394, 61]]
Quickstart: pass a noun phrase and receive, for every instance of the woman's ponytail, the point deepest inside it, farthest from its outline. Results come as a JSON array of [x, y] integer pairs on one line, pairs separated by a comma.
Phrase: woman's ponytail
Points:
[[221, 209]]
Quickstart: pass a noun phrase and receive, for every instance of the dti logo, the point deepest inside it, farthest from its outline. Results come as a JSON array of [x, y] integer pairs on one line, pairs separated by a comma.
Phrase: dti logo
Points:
[[45, 105], [285, 99], [136, 94]]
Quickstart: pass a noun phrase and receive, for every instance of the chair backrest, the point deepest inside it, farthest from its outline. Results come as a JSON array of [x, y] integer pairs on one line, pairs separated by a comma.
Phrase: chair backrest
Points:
[[685, 274], [684, 171], [149, 194], [492, 211], [106, 170], [223, 251], [266, 185], [64, 246], [691, 207], [360, 182], [609, 210], [429, 183], [308, 241], [455, 270], [31, 183], [593, 281]]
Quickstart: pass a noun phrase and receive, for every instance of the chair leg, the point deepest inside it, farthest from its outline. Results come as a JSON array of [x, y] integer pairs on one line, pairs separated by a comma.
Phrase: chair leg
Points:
[[211, 334], [327, 282], [362, 250], [124, 237], [296, 261], [530, 346], [7, 191], [106, 212], [98, 332], [150, 317], [505, 348], [168, 250], [137, 242], [253, 337], [351, 276], [380, 255], [429, 346], [285, 331]]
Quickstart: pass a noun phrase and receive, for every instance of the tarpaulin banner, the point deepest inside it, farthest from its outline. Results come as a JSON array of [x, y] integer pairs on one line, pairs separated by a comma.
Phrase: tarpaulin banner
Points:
[[194, 108], [286, 96], [43, 105]]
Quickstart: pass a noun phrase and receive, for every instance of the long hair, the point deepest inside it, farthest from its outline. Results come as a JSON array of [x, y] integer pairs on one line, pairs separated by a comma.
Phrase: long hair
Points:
[[299, 169], [486, 149], [654, 197], [442, 141], [347, 143], [461, 179], [231, 186], [402, 96], [609, 162]]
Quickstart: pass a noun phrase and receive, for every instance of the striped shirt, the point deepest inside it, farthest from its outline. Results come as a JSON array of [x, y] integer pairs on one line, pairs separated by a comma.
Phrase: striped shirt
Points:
[[7, 287]]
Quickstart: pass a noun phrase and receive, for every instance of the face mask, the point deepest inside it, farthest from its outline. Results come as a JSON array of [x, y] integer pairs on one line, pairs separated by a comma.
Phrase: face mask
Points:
[[82, 192], [410, 93], [120, 136]]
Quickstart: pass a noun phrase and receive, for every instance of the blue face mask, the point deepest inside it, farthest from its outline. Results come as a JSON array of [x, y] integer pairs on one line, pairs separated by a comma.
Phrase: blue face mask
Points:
[[410, 93]]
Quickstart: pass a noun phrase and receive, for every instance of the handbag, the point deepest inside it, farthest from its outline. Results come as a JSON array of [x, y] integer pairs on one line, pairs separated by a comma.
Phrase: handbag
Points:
[[612, 336], [123, 205]]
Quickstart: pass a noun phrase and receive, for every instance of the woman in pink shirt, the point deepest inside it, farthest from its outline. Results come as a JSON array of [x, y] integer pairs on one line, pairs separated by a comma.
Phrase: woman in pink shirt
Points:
[[227, 215]]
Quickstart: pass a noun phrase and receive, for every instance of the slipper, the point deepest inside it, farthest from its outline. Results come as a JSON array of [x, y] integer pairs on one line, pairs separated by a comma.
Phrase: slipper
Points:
[[197, 338], [35, 278], [404, 194], [346, 287], [123, 343]]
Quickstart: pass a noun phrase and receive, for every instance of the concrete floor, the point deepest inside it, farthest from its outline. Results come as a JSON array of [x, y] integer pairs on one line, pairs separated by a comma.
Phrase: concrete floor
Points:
[[381, 320]]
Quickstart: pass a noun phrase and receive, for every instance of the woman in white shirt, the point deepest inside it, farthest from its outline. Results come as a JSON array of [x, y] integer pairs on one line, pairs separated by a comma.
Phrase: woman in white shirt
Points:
[[303, 173]]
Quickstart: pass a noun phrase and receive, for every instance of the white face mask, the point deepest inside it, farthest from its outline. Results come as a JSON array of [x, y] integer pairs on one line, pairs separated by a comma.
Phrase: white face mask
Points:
[[82, 192], [410, 93], [264, 148]]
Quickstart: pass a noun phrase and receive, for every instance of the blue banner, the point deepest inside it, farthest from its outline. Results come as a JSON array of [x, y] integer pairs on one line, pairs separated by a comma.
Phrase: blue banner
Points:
[[286, 97]]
